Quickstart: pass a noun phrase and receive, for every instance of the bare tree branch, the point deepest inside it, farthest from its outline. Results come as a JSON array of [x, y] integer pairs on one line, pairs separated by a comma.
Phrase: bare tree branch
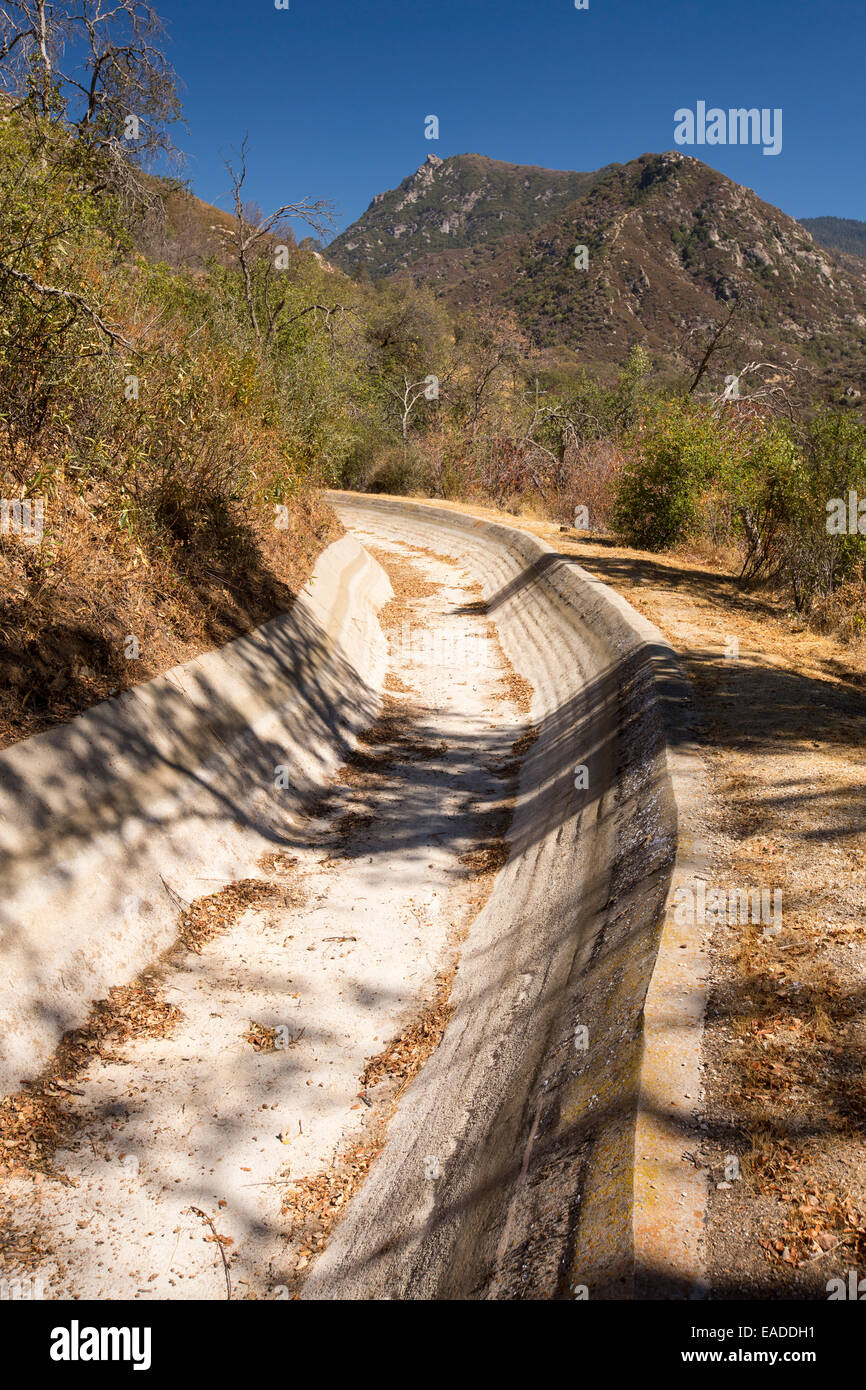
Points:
[[712, 347], [252, 230], [69, 297]]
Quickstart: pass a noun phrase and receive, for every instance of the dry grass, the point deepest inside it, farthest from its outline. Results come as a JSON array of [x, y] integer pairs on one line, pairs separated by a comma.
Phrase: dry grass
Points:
[[37, 1120], [314, 1205], [69, 605]]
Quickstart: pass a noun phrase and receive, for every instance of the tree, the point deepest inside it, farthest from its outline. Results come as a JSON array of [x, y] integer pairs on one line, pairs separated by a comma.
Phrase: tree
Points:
[[118, 91], [84, 127], [489, 346], [407, 350], [254, 240]]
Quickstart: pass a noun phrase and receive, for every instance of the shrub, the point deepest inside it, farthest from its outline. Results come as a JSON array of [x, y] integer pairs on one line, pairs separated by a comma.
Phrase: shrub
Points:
[[673, 457]]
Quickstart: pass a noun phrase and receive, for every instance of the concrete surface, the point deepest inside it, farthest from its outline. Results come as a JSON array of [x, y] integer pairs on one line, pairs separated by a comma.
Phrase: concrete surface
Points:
[[199, 1118], [530, 1120], [169, 792], [542, 1150]]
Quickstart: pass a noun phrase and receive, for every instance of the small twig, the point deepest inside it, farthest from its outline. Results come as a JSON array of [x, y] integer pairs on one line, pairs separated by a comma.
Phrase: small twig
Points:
[[816, 1258], [204, 1216], [269, 1182], [184, 907]]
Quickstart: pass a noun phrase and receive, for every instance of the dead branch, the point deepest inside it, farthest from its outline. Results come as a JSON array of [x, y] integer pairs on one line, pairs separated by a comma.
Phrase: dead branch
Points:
[[252, 228], [204, 1216], [713, 345], [69, 297]]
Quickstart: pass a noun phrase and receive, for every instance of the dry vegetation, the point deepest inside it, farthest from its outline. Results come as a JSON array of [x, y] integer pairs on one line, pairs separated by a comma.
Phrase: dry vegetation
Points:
[[172, 457], [65, 631]]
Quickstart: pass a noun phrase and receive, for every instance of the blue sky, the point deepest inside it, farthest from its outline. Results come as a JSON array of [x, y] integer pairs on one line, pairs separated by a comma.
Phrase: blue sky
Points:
[[334, 93]]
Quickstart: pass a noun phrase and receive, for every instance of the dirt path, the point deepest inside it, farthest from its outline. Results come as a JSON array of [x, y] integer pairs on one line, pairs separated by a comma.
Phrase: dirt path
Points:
[[211, 1121]]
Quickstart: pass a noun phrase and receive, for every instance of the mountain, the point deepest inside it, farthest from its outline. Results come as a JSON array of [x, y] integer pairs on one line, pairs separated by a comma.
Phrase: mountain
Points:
[[447, 204], [838, 233], [673, 246]]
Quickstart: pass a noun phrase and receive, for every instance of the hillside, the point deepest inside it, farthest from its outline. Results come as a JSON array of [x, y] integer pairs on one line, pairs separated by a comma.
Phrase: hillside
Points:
[[144, 444], [838, 233], [181, 229], [673, 247], [463, 202]]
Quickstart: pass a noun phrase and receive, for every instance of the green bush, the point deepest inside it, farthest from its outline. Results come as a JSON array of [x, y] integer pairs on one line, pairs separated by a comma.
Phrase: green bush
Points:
[[673, 457]]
